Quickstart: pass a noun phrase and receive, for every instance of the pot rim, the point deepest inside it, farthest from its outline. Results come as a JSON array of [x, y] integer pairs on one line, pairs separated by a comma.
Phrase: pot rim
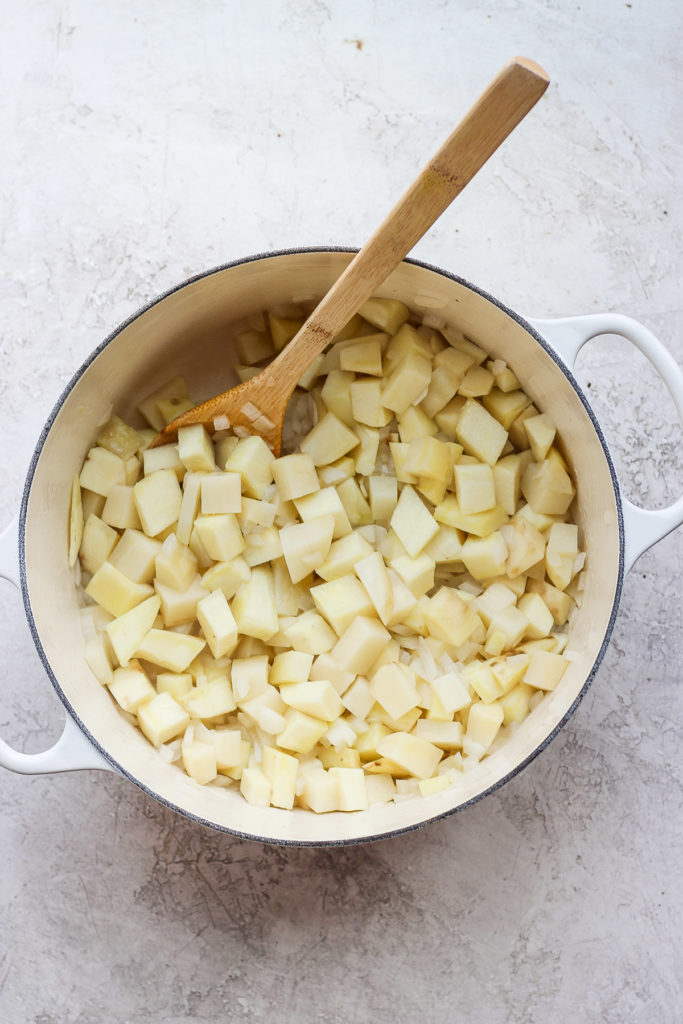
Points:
[[526, 326]]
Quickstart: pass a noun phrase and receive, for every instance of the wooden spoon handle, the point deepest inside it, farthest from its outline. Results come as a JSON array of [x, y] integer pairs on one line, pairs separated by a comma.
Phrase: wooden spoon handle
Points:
[[509, 97]]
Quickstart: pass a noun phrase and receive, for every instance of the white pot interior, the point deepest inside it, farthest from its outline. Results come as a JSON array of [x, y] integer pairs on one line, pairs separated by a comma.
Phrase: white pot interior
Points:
[[188, 332]]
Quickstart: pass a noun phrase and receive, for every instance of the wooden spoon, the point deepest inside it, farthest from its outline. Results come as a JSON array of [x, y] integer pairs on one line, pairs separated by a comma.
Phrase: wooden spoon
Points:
[[259, 404]]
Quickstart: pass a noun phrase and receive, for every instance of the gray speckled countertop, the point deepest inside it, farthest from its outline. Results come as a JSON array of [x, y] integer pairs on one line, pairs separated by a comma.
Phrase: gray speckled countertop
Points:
[[145, 142]]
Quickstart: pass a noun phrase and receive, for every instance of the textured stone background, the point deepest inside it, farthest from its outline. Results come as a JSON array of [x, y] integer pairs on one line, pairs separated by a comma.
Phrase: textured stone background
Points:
[[143, 142]]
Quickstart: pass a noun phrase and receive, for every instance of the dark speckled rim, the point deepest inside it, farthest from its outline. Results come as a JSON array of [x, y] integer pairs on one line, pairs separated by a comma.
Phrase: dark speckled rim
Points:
[[305, 842]]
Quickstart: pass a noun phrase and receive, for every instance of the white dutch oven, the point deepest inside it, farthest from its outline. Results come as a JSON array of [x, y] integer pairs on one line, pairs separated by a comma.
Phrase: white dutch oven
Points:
[[184, 332]]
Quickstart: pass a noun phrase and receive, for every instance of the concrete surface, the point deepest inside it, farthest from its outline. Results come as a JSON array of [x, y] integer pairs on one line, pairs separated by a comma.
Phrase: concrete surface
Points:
[[143, 142]]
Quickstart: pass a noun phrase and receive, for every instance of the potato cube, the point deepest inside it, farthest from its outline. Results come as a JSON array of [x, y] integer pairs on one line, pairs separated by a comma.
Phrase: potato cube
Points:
[[485, 557], [360, 645], [559, 603], [97, 543], [561, 553], [130, 687], [227, 576], [393, 686], [416, 573], [253, 460], [355, 505], [162, 718], [173, 651], [119, 508], [195, 449], [407, 341], [481, 524], [255, 787], [254, 605], [164, 457], [340, 601], [320, 791], [407, 382], [446, 735], [479, 676], [328, 440], [506, 629], [415, 423], [429, 458], [175, 683], [358, 699], [305, 545], [351, 792], [415, 755], [545, 669], [262, 546], [336, 395], [135, 555], [540, 431], [283, 329], [316, 697], [343, 555], [158, 499], [364, 356], [477, 382], [199, 761], [114, 591], [217, 623], [189, 506], [175, 388], [210, 700], [526, 546], [98, 658], [325, 667], [337, 471], [220, 493], [383, 495], [384, 314], [540, 617], [249, 676], [367, 403], [412, 522], [479, 433], [547, 486], [372, 573], [449, 618], [483, 723], [281, 771], [325, 502], [452, 692], [295, 476], [310, 634], [515, 704], [290, 667], [474, 487], [127, 631]]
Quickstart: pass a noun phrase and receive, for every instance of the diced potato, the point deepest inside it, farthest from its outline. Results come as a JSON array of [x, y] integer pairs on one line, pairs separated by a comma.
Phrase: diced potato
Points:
[[97, 657], [351, 791], [227, 576], [360, 645], [407, 382], [173, 651], [479, 433], [365, 355], [118, 437], [305, 546], [101, 471], [325, 667], [120, 510], [450, 618], [452, 691], [175, 388], [253, 460], [545, 669], [217, 623], [477, 381], [254, 607], [483, 723], [130, 687], [481, 524], [211, 700], [127, 631], [162, 718], [255, 787], [446, 735], [547, 486], [195, 449], [220, 535], [295, 476], [485, 557], [221, 492], [340, 601], [97, 543], [158, 498], [290, 667], [384, 314], [561, 553], [325, 502], [281, 771], [540, 617], [309, 633], [412, 522], [199, 761], [114, 591], [540, 431], [316, 697], [336, 395], [328, 440], [175, 683], [416, 755], [355, 505], [393, 686], [283, 329], [320, 791]]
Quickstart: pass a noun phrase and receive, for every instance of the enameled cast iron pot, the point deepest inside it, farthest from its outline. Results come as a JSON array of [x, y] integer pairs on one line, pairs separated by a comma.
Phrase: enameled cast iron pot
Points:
[[184, 332]]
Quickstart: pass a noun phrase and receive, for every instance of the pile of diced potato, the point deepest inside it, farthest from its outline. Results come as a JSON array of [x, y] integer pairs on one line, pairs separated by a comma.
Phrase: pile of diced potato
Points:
[[358, 621]]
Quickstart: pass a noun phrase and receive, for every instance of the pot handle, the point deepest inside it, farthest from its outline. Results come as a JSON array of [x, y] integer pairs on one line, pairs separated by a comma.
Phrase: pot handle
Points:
[[72, 750], [642, 527]]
